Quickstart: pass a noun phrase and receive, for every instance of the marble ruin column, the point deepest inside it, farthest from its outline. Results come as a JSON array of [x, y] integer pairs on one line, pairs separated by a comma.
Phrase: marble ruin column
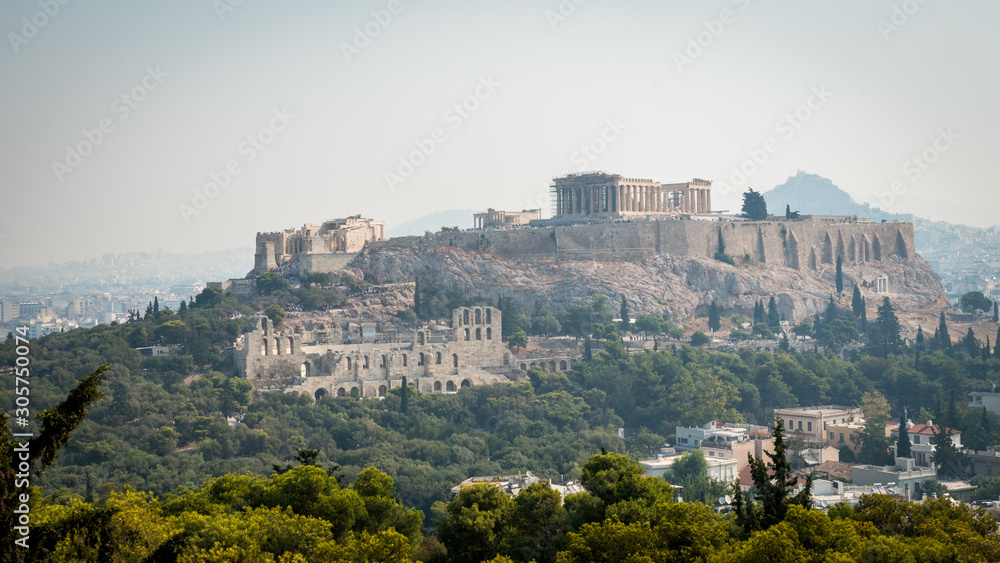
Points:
[[708, 200]]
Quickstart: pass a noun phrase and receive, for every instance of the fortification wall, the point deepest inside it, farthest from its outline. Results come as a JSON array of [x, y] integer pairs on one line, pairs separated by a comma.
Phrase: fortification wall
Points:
[[796, 244]]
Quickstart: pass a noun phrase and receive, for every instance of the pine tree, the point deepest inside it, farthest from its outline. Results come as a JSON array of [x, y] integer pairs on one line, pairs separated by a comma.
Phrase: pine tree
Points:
[[857, 304], [903, 442], [883, 338], [626, 321], [951, 463], [714, 323], [774, 484], [840, 275], [773, 319]]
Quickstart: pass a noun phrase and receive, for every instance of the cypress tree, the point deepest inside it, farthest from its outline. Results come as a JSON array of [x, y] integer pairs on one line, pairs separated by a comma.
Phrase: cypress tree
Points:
[[857, 304], [713, 317], [182, 307], [986, 349], [944, 339], [773, 319], [996, 347], [903, 443], [416, 297], [920, 338], [970, 344], [840, 275], [404, 397], [864, 318], [588, 354], [996, 314], [156, 304], [626, 322]]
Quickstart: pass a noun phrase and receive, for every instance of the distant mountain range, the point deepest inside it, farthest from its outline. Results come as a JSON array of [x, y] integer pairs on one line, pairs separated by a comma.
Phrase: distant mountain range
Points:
[[461, 218], [810, 194]]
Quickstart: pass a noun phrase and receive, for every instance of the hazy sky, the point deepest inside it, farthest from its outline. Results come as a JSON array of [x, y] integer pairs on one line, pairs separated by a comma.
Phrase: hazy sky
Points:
[[313, 105]]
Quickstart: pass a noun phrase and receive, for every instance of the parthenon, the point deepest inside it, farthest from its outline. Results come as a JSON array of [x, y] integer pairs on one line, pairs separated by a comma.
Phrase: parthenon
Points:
[[613, 195]]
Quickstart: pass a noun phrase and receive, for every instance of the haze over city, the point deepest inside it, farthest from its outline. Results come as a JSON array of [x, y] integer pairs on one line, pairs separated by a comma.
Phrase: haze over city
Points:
[[119, 114]]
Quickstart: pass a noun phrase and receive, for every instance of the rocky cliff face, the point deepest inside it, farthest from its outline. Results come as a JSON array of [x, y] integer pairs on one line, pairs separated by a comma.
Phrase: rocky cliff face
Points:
[[684, 286]]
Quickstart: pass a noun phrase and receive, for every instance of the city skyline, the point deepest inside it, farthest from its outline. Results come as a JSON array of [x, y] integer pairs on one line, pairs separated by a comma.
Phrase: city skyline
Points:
[[122, 118]]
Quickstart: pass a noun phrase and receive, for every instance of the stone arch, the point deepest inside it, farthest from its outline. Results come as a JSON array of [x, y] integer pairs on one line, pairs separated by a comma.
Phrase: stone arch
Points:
[[866, 249], [479, 333], [320, 393], [451, 387], [404, 360], [479, 316], [852, 250], [420, 361], [263, 324], [827, 254], [366, 362], [467, 333], [552, 365], [277, 346], [263, 347], [506, 359], [289, 346], [385, 362], [381, 390], [306, 369], [465, 317], [454, 360], [812, 257], [876, 248], [341, 392], [466, 383], [524, 366], [562, 365], [489, 332], [841, 247], [437, 386], [437, 358], [355, 392], [348, 363], [489, 315]]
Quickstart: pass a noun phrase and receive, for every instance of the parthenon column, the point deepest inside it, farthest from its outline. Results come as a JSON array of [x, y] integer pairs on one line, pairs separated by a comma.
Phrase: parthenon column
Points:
[[708, 200]]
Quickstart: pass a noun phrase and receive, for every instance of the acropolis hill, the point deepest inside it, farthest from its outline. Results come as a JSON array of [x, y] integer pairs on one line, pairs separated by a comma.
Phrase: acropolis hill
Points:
[[654, 243]]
